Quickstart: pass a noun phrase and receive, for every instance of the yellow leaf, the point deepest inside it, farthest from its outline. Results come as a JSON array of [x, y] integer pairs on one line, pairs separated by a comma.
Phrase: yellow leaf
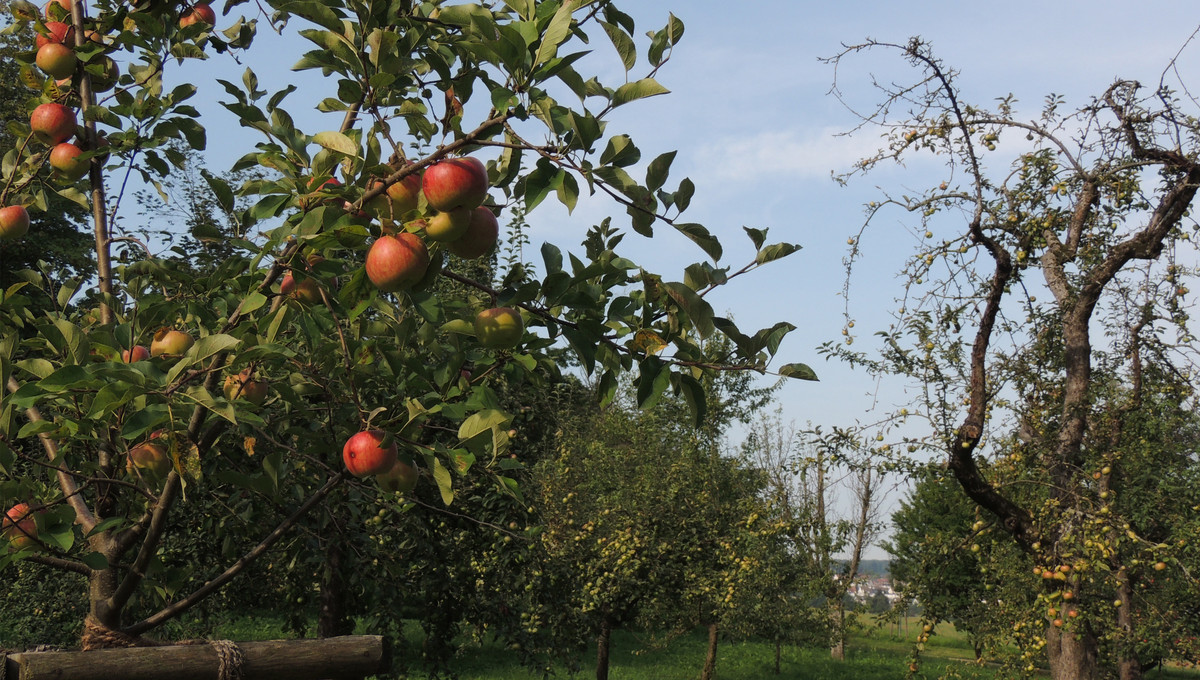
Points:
[[248, 444], [648, 342]]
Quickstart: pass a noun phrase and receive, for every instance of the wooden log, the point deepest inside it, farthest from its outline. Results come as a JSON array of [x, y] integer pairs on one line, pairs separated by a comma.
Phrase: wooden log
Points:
[[351, 657]]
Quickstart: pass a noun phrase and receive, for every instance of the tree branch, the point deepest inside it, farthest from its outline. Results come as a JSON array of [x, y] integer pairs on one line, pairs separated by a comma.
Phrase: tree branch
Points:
[[180, 606]]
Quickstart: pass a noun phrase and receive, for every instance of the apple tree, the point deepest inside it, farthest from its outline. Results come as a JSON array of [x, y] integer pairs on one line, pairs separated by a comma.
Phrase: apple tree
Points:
[[350, 298], [648, 524], [1049, 267]]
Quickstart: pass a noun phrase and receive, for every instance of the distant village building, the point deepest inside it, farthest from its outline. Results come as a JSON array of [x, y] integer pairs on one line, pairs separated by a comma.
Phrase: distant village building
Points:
[[863, 589]]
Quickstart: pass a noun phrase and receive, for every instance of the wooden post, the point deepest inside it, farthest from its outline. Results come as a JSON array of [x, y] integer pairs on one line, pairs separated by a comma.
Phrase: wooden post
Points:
[[351, 657]]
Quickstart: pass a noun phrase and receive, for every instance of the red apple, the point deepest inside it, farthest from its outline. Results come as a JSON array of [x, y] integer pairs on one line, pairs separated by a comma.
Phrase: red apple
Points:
[[170, 342], [399, 199], [401, 477], [499, 328], [244, 386], [149, 458], [56, 32], [19, 527], [397, 262], [480, 238], [308, 201], [52, 123], [308, 290], [448, 226], [455, 183], [198, 13], [64, 158], [136, 353], [14, 222], [364, 454], [57, 60]]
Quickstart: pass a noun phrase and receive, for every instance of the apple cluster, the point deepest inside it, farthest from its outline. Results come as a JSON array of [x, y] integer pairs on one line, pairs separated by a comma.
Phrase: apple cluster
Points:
[[366, 454], [55, 124], [454, 190]]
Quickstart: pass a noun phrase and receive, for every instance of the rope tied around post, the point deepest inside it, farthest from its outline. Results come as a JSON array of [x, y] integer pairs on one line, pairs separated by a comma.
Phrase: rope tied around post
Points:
[[96, 635], [230, 656]]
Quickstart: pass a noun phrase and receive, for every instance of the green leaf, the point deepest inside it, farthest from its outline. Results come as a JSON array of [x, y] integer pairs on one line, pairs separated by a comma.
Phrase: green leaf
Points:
[[623, 42], [683, 196], [39, 367], [36, 427], [693, 394], [539, 182], [798, 371], [199, 395], [698, 310], [463, 15], [700, 236], [483, 421], [460, 326], [315, 12], [94, 560], [336, 141], [656, 174], [757, 236], [65, 378], [653, 379], [646, 87], [769, 338], [209, 345], [552, 256], [253, 302], [220, 189], [556, 32], [620, 152], [24, 11], [74, 342], [775, 251], [608, 388], [568, 190], [442, 476]]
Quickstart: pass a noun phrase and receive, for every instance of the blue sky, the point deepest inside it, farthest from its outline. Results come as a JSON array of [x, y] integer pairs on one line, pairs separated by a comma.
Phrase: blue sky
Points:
[[758, 133]]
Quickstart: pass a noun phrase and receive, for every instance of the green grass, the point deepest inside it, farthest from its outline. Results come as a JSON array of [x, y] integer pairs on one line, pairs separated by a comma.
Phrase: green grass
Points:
[[869, 657], [873, 653]]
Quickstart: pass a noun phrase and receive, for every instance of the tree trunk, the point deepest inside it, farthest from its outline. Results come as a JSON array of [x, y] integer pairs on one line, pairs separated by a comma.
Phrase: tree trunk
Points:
[[602, 643], [1073, 655], [837, 616], [710, 661], [1129, 666], [778, 645], [332, 619]]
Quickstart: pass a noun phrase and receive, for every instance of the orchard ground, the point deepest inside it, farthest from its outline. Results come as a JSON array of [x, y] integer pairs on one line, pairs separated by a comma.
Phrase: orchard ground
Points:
[[876, 651]]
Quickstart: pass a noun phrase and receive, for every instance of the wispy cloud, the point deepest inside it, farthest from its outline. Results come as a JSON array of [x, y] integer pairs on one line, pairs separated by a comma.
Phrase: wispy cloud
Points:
[[791, 153]]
